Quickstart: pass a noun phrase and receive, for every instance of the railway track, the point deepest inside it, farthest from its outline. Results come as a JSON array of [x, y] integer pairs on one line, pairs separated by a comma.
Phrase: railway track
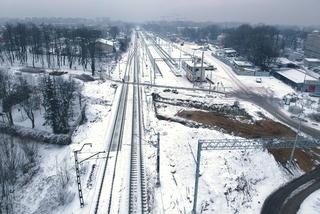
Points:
[[138, 202], [103, 202]]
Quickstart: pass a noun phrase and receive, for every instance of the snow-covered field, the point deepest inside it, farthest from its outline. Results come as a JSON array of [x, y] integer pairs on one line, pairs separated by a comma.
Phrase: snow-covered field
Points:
[[231, 181]]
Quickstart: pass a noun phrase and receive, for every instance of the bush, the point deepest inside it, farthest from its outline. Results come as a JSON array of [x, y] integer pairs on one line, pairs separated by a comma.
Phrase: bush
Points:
[[295, 110]]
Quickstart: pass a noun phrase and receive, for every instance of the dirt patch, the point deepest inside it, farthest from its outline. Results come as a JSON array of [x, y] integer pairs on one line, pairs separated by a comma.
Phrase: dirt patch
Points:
[[259, 129], [265, 128], [306, 159]]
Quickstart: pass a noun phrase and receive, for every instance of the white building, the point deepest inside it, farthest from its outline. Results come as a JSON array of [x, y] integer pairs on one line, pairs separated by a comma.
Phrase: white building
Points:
[[195, 71]]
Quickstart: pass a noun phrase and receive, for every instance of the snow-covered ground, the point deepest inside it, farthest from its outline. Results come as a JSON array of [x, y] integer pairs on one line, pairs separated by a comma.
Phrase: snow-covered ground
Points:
[[231, 181], [42, 190], [311, 205]]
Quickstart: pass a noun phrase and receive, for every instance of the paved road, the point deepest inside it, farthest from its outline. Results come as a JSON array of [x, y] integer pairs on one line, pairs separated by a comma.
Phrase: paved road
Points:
[[271, 105], [287, 199]]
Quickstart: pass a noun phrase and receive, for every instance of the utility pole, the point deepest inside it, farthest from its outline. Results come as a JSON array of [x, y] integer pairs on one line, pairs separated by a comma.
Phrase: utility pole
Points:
[[202, 77], [193, 71], [196, 184], [296, 140], [180, 60], [78, 179], [158, 159], [119, 71], [154, 71], [76, 161]]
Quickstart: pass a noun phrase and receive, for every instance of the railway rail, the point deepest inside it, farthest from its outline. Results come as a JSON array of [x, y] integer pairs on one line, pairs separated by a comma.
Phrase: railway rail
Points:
[[110, 164], [137, 194]]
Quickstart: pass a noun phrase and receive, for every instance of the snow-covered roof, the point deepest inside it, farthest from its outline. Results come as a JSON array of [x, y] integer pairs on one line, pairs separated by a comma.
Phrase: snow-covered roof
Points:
[[243, 63], [105, 41], [284, 61], [229, 50], [296, 75], [197, 64], [312, 60]]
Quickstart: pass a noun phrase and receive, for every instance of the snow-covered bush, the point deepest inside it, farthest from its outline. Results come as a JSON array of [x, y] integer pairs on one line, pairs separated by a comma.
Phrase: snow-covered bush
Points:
[[295, 110], [65, 195]]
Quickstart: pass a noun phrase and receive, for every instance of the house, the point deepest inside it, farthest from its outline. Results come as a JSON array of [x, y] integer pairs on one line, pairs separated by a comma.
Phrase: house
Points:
[[229, 52], [283, 62], [299, 80], [194, 71], [242, 65], [311, 62], [105, 46]]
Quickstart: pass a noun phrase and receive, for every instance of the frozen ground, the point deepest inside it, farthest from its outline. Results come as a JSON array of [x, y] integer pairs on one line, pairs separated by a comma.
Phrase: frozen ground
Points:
[[230, 182], [42, 191]]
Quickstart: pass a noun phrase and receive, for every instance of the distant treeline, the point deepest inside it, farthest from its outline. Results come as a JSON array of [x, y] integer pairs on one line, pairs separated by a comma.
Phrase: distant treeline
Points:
[[260, 44], [54, 46]]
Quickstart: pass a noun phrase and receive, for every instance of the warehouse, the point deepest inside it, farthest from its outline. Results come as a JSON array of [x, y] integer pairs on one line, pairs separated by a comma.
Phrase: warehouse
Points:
[[299, 80]]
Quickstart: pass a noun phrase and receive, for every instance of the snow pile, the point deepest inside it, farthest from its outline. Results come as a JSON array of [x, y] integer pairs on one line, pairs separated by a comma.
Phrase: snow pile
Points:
[[311, 204]]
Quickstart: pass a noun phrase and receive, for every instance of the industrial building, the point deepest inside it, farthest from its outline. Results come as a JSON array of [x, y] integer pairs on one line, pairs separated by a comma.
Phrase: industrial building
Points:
[[299, 80], [244, 66]]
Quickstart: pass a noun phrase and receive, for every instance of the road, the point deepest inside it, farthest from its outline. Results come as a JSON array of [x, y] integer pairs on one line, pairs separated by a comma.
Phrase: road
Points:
[[287, 199]]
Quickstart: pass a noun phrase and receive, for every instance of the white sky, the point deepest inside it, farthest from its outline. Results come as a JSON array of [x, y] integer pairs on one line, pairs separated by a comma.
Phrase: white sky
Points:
[[300, 12]]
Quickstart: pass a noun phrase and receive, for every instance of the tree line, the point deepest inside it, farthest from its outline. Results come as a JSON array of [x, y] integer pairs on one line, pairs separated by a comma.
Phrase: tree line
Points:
[[54, 46], [259, 44]]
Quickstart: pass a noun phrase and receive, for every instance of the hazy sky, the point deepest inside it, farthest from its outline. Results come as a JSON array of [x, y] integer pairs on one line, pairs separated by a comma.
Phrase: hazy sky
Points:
[[300, 12]]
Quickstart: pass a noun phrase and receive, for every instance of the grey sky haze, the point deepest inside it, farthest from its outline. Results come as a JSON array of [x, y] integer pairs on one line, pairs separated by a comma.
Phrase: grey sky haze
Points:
[[295, 12]]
